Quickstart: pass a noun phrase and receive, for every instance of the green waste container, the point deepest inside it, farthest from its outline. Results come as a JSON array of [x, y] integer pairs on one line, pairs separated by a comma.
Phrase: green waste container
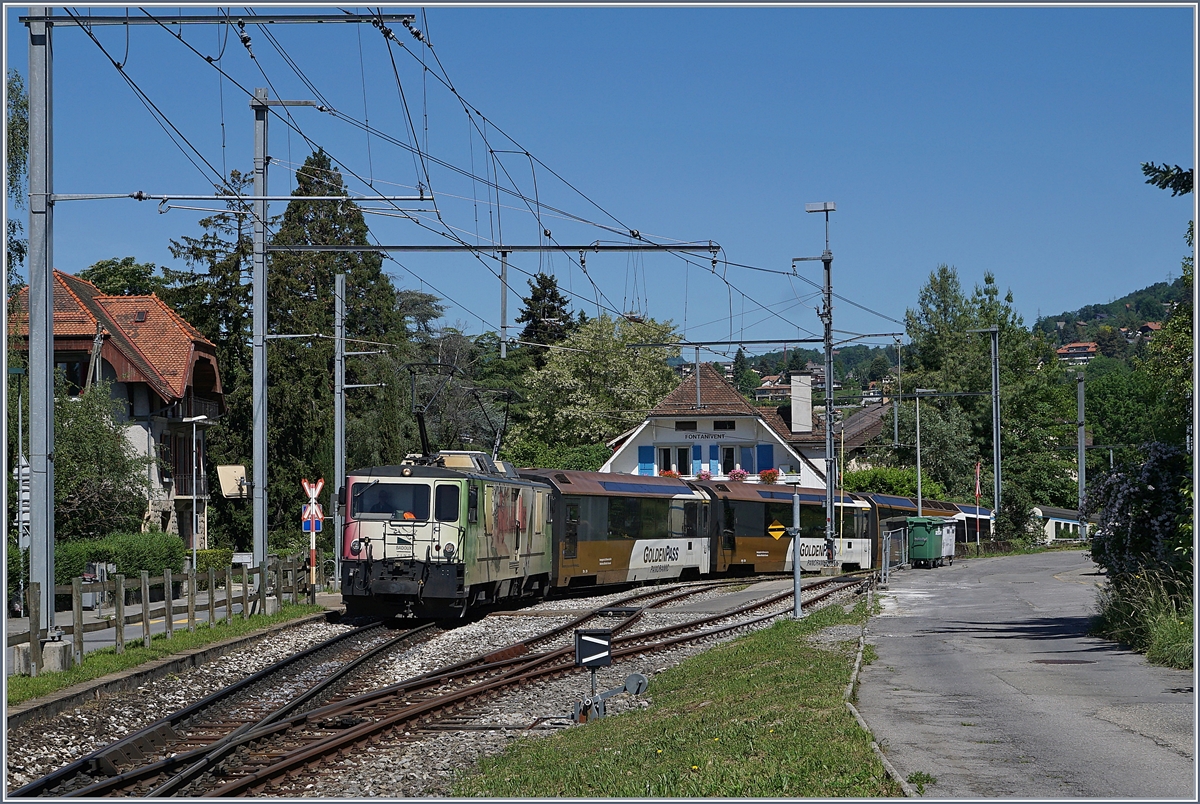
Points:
[[924, 541]]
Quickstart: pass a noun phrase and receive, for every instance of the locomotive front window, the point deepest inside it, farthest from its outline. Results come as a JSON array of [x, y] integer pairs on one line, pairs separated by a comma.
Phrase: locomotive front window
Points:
[[403, 501], [446, 503]]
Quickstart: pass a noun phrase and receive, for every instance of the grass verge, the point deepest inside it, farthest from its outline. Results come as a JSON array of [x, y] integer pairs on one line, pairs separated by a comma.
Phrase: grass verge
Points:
[[106, 661], [1151, 612], [760, 716]]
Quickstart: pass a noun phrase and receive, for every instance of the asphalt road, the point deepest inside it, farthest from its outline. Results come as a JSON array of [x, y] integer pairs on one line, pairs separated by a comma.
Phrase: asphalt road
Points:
[[986, 680]]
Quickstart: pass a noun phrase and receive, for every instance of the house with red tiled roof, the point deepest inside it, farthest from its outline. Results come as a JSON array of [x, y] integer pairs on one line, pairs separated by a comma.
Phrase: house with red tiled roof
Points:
[[1078, 353], [774, 388], [160, 367], [705, 425]]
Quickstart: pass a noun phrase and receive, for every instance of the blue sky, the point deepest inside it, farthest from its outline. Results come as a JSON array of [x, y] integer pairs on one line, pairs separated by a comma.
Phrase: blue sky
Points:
[[992, 139]]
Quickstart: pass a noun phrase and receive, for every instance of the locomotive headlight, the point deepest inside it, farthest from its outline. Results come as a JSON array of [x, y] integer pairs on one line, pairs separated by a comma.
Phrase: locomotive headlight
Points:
[[448, 549], [356, 547]]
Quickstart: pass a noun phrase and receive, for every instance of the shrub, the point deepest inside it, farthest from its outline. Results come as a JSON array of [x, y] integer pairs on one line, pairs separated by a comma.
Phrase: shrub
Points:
[[768, 476], [218, 558], [130, 552], [738, 474], [1151, 612], [1141, 508]]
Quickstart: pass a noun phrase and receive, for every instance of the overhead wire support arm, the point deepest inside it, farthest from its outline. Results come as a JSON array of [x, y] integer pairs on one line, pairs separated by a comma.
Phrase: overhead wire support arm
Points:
[[140, 196], [205, 19], [500, 248], [724, 343]]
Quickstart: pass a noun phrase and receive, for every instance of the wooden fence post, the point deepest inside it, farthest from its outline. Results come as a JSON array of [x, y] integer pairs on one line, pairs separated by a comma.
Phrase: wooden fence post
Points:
[[229, 595], [119, 612], [145, 608], [245, 591], [77, 619], [262, 587], [212, 596], [191, 603], [291, 568], [169, 599], [35, 628]]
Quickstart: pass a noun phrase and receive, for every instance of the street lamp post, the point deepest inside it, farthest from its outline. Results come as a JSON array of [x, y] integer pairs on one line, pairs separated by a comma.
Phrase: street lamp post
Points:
[[195, 522], [919, 391]]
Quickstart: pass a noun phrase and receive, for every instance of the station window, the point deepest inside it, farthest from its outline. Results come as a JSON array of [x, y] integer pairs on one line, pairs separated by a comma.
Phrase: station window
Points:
[[725, 425], [688, 425]]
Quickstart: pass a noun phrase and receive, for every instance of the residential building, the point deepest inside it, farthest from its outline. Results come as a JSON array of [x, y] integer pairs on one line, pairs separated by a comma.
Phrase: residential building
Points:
[[774, 388], [162, 370], [1078, 353], [1149, 329]]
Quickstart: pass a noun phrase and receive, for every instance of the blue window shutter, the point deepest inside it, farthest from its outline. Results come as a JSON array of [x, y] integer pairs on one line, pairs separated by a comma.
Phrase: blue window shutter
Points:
[[696, 455], [748, 459], [714, 459], [766, 456], [646, 460]]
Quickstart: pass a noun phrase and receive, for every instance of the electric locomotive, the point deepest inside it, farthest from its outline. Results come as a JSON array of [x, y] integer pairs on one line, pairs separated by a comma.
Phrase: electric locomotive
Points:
[[437, 535]]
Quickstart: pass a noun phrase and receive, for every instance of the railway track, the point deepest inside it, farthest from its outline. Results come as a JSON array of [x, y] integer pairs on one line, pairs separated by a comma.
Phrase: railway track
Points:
[[274, 691], [245, 755]]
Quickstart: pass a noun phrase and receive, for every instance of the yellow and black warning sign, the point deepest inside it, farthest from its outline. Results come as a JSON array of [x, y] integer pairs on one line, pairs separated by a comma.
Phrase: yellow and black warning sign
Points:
[[776, 530]]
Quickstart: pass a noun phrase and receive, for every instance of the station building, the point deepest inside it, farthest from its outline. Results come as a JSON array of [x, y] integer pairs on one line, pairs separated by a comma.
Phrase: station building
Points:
[[705, 425]]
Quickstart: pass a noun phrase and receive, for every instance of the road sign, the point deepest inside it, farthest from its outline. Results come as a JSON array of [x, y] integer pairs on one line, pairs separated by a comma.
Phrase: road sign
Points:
[[311, 517], [312, 489], [593, 647], [776, 530]]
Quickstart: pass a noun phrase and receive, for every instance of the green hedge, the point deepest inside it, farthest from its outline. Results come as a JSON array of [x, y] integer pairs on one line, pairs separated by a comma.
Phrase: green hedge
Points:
[[218, 559], [130, 552]]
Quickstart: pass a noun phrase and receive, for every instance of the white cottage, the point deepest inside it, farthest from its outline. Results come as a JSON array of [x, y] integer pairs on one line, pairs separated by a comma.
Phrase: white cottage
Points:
[[707, 426]]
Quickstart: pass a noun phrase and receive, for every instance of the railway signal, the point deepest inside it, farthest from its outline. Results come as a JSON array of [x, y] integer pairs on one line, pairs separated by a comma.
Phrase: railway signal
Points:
[[311, 521], [593, 648]]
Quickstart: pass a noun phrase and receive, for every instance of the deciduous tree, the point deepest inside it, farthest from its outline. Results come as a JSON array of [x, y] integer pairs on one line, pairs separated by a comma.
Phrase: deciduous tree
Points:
[[124, 277], [16, 167], [595, 387]]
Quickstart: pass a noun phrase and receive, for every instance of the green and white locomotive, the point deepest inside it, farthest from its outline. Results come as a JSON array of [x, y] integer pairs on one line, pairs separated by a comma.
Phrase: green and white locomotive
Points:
[[436, 536]]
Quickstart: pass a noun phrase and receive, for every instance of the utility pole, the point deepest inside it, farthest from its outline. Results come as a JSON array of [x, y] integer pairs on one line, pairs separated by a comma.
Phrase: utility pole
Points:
[[1079, 393], [827, 319], [994, 331], [260, 104], [339, 417], [41, 309], [896, 400], [503, 304], [797, 607]]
